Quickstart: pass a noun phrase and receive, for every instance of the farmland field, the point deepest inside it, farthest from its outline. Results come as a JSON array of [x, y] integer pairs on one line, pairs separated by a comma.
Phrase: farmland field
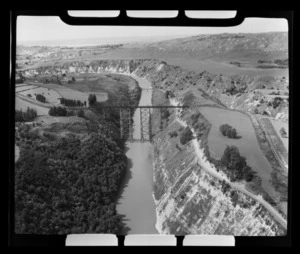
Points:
[[74, 92], [24, 88], [21, 104], [247, 144], [50, 94]]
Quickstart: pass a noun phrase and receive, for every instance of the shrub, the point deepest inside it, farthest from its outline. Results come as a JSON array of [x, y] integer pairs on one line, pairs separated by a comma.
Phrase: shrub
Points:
[[186, 135], [70, 113], [29, 95], [40, 98], [80, 113], [283, 132], [173, 134]]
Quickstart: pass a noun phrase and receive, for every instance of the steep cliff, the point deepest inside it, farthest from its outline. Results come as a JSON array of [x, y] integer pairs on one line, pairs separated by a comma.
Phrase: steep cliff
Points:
[[191, 201]]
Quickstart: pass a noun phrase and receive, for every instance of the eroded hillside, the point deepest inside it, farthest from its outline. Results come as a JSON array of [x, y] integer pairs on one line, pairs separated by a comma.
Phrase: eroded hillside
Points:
[[191, 201], [254, 94]]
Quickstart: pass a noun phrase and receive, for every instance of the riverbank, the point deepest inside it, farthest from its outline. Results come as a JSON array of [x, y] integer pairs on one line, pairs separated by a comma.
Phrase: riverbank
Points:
[[178, 201], [136, 204]]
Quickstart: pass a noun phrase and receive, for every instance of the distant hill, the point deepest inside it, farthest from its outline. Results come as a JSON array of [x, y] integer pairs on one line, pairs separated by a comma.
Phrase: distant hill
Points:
[[250, 47]]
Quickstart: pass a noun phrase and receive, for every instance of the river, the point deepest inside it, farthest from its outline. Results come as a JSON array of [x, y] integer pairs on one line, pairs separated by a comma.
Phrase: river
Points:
[[136, 201]]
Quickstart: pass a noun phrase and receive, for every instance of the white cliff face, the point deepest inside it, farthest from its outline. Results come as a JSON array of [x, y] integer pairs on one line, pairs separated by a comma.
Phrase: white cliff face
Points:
[[200, 205], [191, 201]]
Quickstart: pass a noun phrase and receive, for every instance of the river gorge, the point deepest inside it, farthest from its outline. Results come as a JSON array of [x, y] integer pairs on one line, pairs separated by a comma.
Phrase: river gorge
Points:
[[136, 201], [166, 190]]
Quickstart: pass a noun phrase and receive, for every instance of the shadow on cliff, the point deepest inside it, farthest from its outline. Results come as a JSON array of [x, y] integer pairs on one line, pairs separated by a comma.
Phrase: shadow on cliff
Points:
[[128, 175]]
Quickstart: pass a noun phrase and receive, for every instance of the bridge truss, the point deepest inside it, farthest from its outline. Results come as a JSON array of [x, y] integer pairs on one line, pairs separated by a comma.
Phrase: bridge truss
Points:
[[126, 128]]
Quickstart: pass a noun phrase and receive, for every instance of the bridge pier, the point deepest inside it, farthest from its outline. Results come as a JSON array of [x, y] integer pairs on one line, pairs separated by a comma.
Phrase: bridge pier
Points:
[[125, 123], [145, 124], [126, 129]]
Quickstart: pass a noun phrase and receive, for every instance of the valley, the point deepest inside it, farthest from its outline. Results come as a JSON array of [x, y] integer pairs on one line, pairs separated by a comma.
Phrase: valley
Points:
[[193, 190]]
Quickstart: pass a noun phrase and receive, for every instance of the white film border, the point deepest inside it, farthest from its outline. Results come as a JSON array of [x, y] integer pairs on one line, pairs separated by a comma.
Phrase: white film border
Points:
[[149, 240]]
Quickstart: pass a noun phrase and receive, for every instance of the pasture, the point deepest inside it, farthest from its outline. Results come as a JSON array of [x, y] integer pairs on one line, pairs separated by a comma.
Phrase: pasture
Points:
[[51, 95], [247, 144], [21, 104]]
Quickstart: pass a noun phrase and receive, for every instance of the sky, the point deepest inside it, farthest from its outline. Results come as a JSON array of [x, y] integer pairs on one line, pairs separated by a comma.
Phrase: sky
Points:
[[37, 28]]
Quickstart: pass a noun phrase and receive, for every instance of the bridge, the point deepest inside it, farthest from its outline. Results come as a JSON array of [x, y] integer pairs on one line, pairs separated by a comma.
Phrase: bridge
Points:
[[126, 124]]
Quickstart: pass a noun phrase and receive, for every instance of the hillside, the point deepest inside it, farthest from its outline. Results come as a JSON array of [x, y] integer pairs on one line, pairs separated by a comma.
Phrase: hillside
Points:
[[229, 54]]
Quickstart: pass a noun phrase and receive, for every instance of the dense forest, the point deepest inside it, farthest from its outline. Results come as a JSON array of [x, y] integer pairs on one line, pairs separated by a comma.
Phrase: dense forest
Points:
[[69, 185]]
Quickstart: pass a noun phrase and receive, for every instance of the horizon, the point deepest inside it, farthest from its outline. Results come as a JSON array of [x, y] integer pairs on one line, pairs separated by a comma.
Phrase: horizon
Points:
[[131, 39], [35, 29]]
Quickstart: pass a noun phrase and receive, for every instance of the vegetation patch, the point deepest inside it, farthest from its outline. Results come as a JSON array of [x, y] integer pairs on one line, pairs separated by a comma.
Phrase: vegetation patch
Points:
[[229, 131], [186, 136], [235, 165], [58, 111], [24, 116], [72, 103], [67, 185], [41, 98]]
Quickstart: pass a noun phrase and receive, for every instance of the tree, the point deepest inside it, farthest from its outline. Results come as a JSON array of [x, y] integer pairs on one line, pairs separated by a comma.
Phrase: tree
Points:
[[92, 99], [186, 135]]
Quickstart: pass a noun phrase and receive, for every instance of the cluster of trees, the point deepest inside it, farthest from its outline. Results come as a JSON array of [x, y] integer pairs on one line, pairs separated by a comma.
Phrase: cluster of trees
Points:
[[282, 61], [92, 99], [40, 98], [58, 111], [25, 116], [277, 102], [236, 165], [72, 103], [229, 131], [186, 135], [264, 61], [68, 185]]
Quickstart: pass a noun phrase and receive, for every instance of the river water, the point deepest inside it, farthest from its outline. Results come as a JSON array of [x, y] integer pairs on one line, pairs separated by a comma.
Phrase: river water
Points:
[[136, 201]]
